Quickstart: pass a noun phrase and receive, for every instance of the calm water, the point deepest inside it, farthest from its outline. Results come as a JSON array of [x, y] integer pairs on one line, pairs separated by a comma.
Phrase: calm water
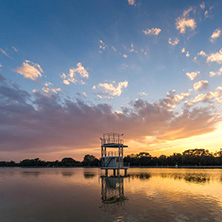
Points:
[[83, 195]]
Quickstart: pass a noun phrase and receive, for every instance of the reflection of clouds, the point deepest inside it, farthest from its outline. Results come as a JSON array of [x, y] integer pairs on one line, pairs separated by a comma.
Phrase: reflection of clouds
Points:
[[146, 195], [168, 195]]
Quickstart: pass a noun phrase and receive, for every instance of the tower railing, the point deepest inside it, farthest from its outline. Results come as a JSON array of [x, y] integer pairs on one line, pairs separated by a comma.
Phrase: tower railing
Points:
[[112, 140]]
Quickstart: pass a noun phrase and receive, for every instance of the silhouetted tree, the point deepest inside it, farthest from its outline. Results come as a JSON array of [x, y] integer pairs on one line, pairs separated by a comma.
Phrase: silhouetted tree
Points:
[[90, 160], [68, 162]]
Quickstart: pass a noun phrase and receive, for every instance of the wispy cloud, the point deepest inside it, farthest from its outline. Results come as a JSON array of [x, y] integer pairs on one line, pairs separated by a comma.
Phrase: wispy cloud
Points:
[[48, 84], [202, 5], [152, 31], [182, 23], [201, 85], [208, 13], [72, 75], [183, 50], [49, 90], [192, 75], [4, 52], [143, 94], [16, 50], [175, 42], [30, 70], [216, 34], [102, 46]]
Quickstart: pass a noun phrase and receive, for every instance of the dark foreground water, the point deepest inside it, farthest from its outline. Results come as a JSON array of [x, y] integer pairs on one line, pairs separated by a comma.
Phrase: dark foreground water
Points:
[[79, 194]]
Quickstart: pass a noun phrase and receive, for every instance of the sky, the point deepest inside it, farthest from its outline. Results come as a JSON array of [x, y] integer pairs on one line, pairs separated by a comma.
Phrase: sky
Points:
[[73, 70]]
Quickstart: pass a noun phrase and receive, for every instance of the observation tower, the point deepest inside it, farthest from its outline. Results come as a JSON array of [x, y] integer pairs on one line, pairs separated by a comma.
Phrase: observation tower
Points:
[[112, 153]]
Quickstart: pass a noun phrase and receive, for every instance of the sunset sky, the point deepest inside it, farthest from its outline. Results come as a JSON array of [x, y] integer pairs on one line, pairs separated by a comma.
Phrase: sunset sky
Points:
[[73, 70]]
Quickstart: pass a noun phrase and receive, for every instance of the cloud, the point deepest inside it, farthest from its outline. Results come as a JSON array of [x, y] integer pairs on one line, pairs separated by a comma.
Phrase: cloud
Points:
[[48, 90], [30, 70], [187, 54], [125, 56], [4, 52], [131, 2], [102, 46], [202, 53], [209, 97], [175, 42], [182, 23], [143, 94], [16, 50], [72, 76], [113, 89], [152, 31], [216, 34], [48, 84], [192, 75], [201, 85], [215, 57], [183, 50], [172, 99], [42, 123], [202, 5], [66, 82], [219, 73], [99, 96]]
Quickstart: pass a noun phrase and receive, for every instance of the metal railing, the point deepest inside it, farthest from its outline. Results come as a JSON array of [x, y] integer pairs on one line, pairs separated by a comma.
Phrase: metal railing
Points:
[[112, 153], [111, 140]]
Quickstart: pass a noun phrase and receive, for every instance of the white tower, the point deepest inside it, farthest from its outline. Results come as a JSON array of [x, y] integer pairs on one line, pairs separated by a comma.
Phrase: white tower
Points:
[[112, 153]]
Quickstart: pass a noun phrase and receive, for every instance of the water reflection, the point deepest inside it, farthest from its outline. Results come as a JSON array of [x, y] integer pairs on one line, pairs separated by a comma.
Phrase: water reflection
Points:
[[141, 176], [89, 175], [112, 189], [189, 177], [68, 173], [78, 194], [30, 173]]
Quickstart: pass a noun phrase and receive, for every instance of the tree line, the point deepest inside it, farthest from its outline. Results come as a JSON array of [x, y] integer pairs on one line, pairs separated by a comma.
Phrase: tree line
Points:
[[191, 157], [88, 161]]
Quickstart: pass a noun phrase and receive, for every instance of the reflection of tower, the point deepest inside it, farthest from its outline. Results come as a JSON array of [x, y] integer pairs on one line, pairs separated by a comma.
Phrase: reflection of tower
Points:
[[112, 190], [113, 160]]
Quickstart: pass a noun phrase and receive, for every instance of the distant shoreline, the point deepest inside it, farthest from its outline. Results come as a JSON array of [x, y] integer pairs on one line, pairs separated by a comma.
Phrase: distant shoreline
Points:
[[180, 167], [132, 167]]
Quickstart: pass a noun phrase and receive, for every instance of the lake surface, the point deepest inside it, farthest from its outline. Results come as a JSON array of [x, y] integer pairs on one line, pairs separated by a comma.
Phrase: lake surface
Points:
[[81, 194]]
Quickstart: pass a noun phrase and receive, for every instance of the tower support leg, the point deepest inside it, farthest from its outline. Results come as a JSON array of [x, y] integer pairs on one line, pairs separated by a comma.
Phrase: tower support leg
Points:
[[106, 173], [114, 172], [125, 172], [118, 172]]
